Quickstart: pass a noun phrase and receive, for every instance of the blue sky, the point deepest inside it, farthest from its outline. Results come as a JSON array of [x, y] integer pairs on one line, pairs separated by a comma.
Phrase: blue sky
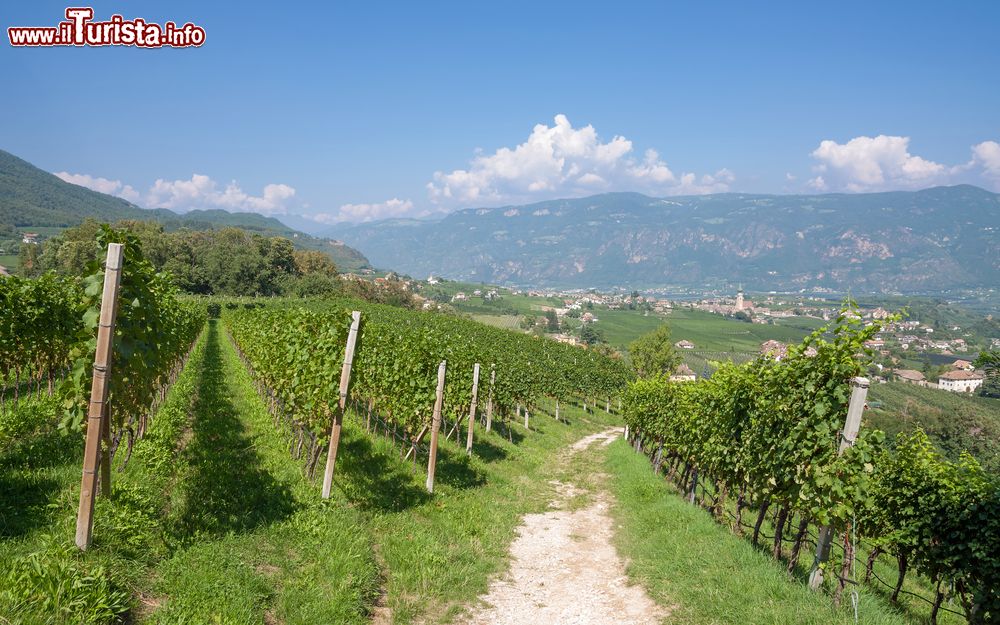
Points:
[[365, 110]]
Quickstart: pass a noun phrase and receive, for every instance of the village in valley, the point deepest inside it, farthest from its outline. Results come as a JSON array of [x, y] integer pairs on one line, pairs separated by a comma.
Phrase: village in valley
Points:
[[739, 326]]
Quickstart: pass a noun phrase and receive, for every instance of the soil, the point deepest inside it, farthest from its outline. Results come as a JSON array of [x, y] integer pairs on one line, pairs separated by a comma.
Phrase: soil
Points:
[[564, 568]]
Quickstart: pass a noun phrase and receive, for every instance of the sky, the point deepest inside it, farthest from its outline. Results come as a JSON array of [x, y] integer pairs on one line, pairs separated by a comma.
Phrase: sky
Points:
[[359, 111]]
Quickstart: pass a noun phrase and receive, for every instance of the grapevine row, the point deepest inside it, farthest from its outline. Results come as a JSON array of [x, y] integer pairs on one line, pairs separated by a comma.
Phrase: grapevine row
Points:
[[47, 330], [769, 434], [297, 352]]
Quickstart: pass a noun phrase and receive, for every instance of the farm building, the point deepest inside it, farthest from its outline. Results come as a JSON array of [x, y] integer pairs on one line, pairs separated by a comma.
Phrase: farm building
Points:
[[960, 381]]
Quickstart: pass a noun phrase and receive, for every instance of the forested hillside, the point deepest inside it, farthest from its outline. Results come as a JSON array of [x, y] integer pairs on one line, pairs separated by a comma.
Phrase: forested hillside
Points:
[[31, 198]]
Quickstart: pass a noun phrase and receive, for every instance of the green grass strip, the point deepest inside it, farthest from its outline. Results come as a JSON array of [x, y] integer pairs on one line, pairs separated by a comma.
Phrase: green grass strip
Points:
[[686, 560]]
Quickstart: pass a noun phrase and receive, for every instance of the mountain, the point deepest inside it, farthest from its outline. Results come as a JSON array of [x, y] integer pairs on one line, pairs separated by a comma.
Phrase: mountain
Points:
[[927, 240], [33, 198], [304, 224]]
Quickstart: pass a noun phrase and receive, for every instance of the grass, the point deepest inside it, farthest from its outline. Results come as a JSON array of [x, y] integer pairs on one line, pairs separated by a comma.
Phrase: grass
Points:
[[10, 261], [440, 553], [716, 333], [507, 322], [715, 337], [212, 520], [253, 540], [686, 560]]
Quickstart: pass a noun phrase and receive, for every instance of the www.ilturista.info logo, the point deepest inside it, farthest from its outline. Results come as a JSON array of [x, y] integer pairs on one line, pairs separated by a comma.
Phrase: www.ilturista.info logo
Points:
[[79, 29]]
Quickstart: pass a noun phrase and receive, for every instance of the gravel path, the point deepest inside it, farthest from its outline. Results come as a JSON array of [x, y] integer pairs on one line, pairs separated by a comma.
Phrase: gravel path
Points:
[[564, 569]]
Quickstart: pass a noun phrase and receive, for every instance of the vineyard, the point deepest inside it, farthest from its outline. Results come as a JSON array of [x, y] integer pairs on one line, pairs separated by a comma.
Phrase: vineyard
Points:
[[768, 434], [206, 424]]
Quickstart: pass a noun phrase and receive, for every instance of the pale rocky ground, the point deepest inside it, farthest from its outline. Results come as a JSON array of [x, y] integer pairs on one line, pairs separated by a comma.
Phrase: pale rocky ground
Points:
[[564, 569]]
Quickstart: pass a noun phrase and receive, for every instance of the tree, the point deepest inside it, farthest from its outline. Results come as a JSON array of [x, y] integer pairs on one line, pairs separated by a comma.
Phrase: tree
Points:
[[591, 335], [28, 260], [311, 284], [990, 362], [551, 320], [742, 315], [313, 261], [653, 354]]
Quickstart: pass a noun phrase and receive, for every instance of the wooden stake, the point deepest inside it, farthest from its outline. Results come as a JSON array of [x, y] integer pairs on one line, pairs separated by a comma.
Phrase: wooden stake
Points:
[[489, 404], [859, 392], [472, 408], [435, 426], [99, 395], [416, 441], [105, 489], [338, 415]]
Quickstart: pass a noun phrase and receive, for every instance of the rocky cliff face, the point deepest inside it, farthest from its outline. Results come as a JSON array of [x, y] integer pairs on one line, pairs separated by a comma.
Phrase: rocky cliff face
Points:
[[902, 241]]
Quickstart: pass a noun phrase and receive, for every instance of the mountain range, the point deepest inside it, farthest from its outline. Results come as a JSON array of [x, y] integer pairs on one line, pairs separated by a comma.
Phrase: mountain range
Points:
[[930, 240], [904, 241], [33, 198]]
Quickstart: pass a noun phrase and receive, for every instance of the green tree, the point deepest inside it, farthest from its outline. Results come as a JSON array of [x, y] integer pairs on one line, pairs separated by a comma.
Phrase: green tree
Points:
[[591, 335], [313, 261], [990, 362], [551, 321], [28, 260], [653, 354]]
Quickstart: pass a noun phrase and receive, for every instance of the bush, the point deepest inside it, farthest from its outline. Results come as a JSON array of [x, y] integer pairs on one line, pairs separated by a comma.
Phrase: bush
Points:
[[214, 310]]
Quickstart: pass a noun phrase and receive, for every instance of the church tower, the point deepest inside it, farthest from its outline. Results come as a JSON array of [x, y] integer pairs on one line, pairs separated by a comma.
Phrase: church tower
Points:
[[739, 299]]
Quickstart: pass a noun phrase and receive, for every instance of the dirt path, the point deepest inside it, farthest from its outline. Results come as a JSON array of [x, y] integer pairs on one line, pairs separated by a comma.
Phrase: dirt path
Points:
[[564, 569]]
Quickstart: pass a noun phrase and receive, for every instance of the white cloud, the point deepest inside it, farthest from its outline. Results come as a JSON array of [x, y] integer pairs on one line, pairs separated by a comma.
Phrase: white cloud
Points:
[[987, 156], [818, 183], [885, 163], [719, 182], [370, 212], [203, 192], [562, 161], [874, 164], [198, 192], [103, 185]]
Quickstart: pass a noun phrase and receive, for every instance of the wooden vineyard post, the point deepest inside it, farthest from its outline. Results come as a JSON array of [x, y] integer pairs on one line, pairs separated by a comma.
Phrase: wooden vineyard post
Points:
[[526, 418], [338, 415], [859, 392], [472, 408], [105, 485], [489, 404], [435, 426], [96, 412]]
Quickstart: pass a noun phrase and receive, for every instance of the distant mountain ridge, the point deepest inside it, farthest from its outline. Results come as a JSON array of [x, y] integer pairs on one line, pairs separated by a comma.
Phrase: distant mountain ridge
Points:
[[938, 238], [31, 198]]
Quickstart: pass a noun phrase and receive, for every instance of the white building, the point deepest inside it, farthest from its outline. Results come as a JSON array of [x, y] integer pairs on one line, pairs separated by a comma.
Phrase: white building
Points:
[[683, 374], [960, 381]]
